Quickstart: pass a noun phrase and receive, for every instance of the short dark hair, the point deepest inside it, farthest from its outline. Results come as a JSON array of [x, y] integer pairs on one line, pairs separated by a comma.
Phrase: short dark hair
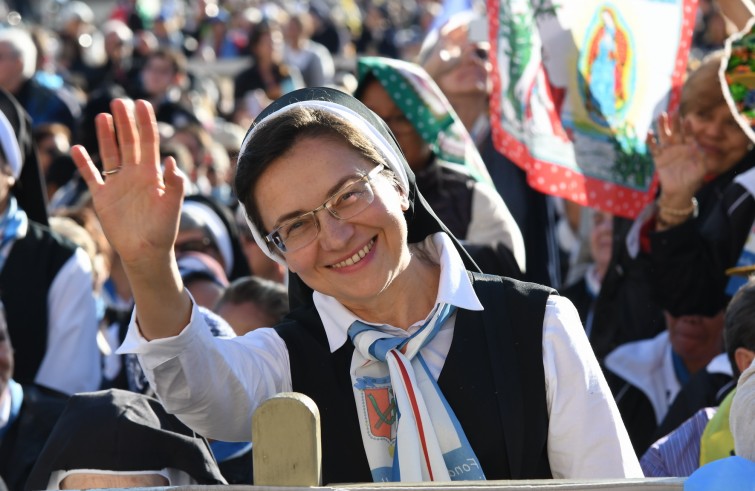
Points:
[[177, 59], [256, 31], [277, 136], [268, 295], [739, 322]]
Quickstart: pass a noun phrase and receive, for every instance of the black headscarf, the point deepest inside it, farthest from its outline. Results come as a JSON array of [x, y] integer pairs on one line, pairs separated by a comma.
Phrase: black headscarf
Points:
[[29, 189], [420, 219]]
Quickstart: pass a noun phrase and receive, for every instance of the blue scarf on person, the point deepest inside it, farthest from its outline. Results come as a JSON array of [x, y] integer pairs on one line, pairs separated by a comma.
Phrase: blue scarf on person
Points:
[[13, 225], [409, 431], [16, 393]]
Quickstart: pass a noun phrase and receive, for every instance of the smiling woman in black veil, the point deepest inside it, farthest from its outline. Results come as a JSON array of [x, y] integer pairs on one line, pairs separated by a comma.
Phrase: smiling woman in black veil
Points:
[[422, 368]]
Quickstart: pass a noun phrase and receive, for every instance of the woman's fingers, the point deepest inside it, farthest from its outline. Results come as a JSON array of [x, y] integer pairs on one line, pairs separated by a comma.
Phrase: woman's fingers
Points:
[[146, 126], [109, 154], [686, 130], [128, 135], [137, 140], [658, 146], [676, 128], [669, 133], [86, 167], [668, 128], [664, 126], [652, 143], [173, 177]]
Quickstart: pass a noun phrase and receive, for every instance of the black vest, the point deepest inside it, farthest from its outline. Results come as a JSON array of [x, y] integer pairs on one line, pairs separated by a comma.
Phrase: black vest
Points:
[[493, 379], [25, 280]]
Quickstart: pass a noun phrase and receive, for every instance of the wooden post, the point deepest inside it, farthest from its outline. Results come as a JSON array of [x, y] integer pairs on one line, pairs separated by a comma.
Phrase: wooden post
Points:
[[286, 437]]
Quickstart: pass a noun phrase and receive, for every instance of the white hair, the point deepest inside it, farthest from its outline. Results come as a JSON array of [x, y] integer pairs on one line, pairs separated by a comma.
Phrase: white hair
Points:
[[75, 11], [21, 42], [118, 27]]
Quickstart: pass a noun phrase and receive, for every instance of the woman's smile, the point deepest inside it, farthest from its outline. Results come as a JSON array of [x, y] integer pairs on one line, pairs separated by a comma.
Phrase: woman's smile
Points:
[[357, 257]]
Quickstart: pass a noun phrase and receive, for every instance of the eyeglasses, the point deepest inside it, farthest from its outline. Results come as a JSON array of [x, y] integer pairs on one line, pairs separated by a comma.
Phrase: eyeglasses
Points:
[[348, 202]]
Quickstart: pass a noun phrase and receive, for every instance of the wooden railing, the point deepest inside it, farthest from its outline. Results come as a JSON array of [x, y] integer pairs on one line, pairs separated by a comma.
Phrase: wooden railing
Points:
[[286, 435]]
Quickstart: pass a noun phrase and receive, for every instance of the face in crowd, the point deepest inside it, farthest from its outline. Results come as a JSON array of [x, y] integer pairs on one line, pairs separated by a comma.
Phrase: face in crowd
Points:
[[352, 259]]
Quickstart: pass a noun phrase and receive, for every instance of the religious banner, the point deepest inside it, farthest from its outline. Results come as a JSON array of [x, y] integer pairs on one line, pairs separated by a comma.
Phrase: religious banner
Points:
[[576, 86]]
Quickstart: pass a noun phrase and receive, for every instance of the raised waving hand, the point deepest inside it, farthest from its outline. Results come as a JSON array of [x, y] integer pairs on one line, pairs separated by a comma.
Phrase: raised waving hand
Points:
[[679, 162], [139, 204]]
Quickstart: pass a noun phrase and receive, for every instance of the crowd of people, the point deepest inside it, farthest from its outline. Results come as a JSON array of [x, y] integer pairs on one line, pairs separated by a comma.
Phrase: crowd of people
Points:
[[164, 270]]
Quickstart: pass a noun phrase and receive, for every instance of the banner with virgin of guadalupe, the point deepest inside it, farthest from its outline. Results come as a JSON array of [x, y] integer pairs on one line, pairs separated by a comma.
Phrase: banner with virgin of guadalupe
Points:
[[576, 86]]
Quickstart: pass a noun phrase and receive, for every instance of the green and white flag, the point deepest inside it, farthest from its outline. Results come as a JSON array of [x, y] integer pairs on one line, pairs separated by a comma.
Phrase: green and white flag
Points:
[[576, 86]]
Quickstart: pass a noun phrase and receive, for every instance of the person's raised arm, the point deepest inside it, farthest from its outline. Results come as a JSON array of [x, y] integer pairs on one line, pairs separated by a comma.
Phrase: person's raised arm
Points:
[[446, 53], [681, 170], [737, 11], [138, 204]]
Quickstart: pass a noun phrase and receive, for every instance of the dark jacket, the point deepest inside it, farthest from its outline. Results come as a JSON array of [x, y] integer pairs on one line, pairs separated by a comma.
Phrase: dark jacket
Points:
[[250, 79], [46, 105], [31, 267], [582, 298], [23, 442], [674, 275], [626, 309], [450, 194], [697, 252], [122, 431]]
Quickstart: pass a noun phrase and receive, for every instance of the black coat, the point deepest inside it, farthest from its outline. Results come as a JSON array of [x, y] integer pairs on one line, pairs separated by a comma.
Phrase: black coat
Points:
[[24, 440], [122, 431], [697, 252], [680, 274]]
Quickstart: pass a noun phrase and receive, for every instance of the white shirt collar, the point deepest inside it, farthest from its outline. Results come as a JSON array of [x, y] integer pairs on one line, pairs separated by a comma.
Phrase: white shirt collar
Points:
[[454, 288], [648, 365], [5, 404]]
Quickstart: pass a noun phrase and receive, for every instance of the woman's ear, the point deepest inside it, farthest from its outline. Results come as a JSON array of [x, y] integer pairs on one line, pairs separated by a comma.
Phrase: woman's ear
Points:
[[404, 199], [743, 358], [7, 175]]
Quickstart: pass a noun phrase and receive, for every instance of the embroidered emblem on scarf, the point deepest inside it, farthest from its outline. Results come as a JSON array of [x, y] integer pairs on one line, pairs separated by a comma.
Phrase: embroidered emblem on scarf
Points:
[[381, 411], [409, 431]]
